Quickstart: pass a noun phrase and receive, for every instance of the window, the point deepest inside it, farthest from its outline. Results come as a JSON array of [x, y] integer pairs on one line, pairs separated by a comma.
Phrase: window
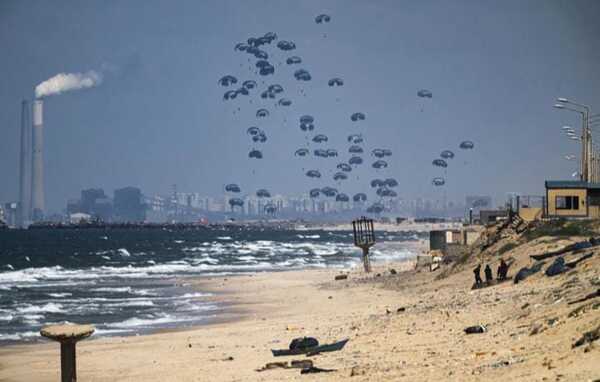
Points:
[[567, 202]]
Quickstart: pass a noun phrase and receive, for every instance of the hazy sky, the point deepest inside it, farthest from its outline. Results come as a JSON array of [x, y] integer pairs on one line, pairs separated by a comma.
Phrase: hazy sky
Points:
[[494, 67]]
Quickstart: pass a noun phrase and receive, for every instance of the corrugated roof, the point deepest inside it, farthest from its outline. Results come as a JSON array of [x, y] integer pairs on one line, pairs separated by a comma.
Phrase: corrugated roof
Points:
[[552, 184]]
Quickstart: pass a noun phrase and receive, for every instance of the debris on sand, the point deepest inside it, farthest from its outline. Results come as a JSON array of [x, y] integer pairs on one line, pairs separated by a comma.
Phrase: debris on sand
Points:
[[341, 277], [309, 346], [588, 337], [526, 272], [557, 267], [295, 364], [476, 329], [314, 369]]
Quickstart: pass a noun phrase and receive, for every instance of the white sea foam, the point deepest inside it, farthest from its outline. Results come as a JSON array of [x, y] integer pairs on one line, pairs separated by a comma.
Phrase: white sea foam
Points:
[[224, 238], [124, 252], [18, 336], [113, 290], [60, 295], [136, 322], [309, 236], [47, 308]]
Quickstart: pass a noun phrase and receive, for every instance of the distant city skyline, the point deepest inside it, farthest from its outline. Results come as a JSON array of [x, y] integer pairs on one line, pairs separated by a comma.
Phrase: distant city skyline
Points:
[[157, 116]]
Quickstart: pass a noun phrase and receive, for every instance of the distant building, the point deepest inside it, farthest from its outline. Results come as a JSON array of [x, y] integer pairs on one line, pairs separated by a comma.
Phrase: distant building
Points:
[[572, 199], [11, 213], [477, 203], [128, 205]]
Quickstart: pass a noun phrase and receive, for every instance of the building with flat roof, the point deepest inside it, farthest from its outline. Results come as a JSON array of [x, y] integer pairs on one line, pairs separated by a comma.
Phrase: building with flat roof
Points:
[[572, 199]]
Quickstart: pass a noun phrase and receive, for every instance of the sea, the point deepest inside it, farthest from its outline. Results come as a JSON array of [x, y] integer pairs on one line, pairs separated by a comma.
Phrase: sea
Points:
[[133, 281]]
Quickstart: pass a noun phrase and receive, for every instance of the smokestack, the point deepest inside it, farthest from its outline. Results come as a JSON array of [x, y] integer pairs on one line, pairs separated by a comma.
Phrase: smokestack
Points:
[[37, 178], [25, 166]]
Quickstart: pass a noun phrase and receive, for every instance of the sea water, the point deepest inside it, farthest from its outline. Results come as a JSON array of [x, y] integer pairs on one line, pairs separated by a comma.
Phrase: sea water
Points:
[[129, 281]]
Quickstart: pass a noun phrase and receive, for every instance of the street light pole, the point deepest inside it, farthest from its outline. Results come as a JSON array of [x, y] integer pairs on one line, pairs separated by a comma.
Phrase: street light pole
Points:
[[583, 173], [588, 134]]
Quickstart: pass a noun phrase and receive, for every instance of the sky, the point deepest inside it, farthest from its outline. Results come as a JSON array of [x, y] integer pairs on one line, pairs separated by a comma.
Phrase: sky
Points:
[[158, 118]]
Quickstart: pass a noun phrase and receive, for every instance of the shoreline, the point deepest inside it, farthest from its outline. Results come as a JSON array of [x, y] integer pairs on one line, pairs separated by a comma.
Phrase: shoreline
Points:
[[404, 326]]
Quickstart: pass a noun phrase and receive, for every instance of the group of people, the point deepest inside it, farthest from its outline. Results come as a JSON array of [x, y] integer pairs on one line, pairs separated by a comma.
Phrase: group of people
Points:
[[501, 273]]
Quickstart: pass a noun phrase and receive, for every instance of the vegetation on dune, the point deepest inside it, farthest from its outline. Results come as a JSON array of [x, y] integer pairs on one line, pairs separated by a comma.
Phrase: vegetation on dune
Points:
[[563, 228]]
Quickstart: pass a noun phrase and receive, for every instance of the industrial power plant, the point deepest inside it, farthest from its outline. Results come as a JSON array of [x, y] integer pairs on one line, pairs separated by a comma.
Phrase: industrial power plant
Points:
[[31, 171]]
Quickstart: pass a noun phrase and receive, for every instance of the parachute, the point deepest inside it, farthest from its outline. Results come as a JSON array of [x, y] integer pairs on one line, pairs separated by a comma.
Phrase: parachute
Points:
[[357, 117], [302, 75], [275, 89], [261, 54], [332, 153], [262, 193], [355, 138], [306, 119], [262, 63], [236, 202], [440, 163], [378, 153], [259, 138], [261, 113], [227, 80], [391, 182], [377, 183], [267, 94], [335, 82], [360, 197], [386, 192], [230, 94], [342, 198], [286, 45], [293, 60], [320, 138], [467, 145], [322, 19], [315, 192], [380, 164], [424, 93], [375, 208], [301, 152], [255, 154], [321, 153], [242, 91], [355, 160], [253, 130], [232, 188], [354, 149], [329, 191], [285, 102], [270, 208], [313, 174], [340, 176], [447, 154], [344, 167], [438, 181], [266, 70], [307, 127]]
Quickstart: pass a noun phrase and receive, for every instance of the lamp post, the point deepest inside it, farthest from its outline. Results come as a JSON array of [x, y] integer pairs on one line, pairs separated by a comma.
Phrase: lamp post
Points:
[[583, 173], [587, 141]]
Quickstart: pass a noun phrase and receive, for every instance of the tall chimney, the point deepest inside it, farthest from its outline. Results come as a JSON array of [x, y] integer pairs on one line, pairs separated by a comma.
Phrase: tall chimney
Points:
[[37, 178], [25, 166]]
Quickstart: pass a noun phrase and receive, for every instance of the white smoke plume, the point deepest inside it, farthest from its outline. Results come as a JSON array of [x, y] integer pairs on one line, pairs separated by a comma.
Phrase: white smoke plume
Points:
[[64, 82]]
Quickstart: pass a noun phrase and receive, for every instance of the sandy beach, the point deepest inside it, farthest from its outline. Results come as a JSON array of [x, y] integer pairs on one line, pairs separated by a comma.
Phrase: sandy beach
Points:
[[404, 326]]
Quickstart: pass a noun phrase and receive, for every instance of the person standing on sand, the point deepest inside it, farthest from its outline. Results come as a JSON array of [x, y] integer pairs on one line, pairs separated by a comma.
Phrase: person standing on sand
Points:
[[488, 275], [477, 272], [502, 270]]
